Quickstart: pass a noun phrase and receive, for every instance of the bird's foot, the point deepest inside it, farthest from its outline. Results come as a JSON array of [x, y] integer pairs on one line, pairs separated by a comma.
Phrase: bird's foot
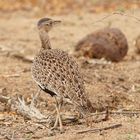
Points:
[[58, 129], [58, 122]]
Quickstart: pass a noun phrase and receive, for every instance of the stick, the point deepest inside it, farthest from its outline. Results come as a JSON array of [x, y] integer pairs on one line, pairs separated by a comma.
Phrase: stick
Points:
[[117, 13], [130, 112], [125, 113], [23, 58], [7, 76], [99, 129]]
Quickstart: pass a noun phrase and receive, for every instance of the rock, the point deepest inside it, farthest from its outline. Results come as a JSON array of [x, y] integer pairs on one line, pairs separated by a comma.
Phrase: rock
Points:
[[108, 43]]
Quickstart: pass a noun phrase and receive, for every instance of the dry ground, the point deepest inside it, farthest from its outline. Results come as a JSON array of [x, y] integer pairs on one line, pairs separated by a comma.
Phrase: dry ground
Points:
[[116, 85]]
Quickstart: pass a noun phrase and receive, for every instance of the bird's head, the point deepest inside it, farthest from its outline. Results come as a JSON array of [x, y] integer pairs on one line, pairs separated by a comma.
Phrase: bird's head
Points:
[[46, 24]]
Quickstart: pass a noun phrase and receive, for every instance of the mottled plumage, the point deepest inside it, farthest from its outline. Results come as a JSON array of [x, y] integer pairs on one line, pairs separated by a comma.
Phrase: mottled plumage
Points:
[[56, 71]]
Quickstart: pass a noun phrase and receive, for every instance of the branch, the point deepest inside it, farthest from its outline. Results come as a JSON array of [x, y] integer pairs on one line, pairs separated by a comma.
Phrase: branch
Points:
[[99, 129], [124, 112], [20, 106], [23, 58], [117, 13], [28, 111]]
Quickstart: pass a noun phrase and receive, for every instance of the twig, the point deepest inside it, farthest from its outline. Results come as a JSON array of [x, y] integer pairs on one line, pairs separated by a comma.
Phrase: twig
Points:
[[117, 13], [23, 58], [99, 129], [13, 75], [130, 112], [126, 113]]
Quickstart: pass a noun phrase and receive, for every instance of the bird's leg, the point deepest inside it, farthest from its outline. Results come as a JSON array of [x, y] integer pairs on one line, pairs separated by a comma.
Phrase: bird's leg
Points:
[[56, 120], [58, 117], [35, 97]]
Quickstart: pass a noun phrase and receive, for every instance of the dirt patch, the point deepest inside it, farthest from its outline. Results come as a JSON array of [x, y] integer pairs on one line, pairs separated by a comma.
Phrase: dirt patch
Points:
[[112, 85]]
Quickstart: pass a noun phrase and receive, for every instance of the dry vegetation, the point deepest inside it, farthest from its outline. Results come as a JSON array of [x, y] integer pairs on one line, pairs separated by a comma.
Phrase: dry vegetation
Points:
[[115, 86], [67, 6]]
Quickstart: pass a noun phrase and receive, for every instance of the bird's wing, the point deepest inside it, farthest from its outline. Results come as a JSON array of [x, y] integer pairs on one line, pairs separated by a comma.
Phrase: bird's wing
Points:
[[57, 72]]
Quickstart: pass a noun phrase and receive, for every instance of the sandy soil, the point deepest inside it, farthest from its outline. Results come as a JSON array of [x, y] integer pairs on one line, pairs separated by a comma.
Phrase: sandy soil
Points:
[[116, 85]]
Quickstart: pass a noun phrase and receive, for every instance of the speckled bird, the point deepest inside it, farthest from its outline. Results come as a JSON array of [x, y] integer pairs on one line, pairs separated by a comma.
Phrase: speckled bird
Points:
[[57, 74]]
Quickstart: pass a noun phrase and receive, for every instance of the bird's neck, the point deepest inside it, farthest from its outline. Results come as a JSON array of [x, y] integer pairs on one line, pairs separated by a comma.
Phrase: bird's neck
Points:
[[45, 41]]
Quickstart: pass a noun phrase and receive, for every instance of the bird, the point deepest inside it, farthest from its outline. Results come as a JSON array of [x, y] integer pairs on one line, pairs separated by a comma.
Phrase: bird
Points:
[[58, 74]]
